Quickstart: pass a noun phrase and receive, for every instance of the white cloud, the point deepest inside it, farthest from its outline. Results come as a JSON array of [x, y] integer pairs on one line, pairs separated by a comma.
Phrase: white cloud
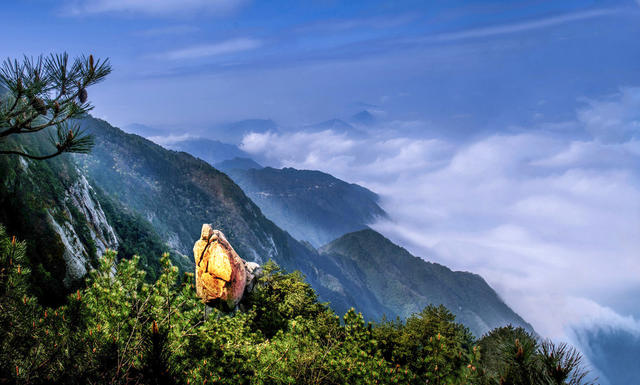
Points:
[[615, 119], [506, 29], [171, 30], [551, 221], [170, 139], [215, 49], [155, 7]]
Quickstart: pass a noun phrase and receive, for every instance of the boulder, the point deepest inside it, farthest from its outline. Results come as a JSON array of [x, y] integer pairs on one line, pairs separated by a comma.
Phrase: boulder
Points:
[[222, 277]]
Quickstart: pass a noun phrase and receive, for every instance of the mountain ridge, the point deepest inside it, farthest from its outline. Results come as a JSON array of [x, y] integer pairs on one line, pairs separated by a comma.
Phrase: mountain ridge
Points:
[[140, 182], [426, 282], [311, 205]]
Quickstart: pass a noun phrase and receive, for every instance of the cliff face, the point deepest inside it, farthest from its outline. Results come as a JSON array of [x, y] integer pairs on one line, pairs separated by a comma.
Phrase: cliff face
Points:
[[53, 207], [81, 205]]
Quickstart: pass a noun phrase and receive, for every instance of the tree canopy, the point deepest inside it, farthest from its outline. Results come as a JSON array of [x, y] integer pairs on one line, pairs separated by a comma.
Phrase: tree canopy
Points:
[[122, 329]]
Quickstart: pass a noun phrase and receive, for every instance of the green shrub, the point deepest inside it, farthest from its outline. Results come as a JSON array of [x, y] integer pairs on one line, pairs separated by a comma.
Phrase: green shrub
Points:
[[123, 329]]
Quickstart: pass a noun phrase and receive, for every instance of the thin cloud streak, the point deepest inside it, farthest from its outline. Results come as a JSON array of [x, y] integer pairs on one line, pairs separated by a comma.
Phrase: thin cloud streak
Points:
[[151, 8], [172, 30], [506, 29], [209, 50]]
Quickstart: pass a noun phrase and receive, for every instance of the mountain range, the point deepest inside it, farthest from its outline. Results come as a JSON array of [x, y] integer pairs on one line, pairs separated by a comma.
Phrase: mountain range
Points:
[[135, 196], [311, 205]]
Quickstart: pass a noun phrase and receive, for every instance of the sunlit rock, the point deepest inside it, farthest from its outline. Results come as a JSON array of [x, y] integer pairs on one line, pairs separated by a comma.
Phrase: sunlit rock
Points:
[[221, 275]]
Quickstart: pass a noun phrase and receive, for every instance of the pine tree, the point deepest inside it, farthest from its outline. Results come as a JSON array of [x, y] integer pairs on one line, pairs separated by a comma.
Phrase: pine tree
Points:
[[36, 94]]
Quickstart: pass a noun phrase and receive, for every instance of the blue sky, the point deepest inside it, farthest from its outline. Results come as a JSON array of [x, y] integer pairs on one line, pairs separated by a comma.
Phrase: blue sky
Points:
[[463, 63], [507, 133]]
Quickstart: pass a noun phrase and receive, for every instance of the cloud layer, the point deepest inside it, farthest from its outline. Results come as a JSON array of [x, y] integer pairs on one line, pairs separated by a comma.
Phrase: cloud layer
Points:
[[550, 217]]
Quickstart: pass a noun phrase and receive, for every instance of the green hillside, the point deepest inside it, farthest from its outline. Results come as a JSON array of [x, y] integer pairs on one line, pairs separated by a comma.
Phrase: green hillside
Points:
[[406, 283]]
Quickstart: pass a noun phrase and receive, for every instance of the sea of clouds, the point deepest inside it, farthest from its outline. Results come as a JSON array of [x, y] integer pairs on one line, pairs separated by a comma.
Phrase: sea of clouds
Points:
[[548, 215]]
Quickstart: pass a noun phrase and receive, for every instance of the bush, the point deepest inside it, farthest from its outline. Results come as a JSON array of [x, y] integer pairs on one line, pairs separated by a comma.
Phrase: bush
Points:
[[122, 329]]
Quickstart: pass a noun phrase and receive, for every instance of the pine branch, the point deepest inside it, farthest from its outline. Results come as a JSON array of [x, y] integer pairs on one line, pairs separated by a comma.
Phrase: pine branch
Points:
[[67, 139], [46, 92]]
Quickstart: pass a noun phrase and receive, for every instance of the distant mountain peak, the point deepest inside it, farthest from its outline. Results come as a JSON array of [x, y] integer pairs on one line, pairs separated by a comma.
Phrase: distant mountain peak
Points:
[[237, 163], [363, 117], [256, 125], [310, 205], [332, 124], [234, 132], [210, 150]]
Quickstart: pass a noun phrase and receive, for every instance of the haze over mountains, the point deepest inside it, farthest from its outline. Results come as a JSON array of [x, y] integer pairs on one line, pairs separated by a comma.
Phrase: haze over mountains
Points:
[[476, 203], [311, 204], [505, 137], [140, 192]]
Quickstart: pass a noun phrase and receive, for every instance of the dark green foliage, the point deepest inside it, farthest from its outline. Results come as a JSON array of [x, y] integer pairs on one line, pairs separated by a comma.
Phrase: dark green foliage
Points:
[[513, 356], [407, 284], [47, 92], [432, 334], [121, 329], [30, 193], [135, 235], [279, 298]]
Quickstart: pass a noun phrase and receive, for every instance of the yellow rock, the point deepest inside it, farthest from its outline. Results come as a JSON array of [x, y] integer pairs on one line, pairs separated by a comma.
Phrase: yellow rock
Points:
[[220, 272]]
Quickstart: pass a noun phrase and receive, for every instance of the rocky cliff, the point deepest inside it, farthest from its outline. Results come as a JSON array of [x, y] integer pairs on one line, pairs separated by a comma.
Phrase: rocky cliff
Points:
[[53, 207]]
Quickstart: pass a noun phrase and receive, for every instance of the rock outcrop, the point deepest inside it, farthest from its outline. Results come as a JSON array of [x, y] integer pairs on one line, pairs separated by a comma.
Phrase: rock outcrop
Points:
[[78, 254], [221, 275]]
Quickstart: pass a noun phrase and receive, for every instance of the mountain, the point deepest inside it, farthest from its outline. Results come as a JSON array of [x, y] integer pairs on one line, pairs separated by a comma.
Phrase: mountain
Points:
[[144, 130], [211, 151], [336, 125], [332, 124], [51, 205], [237, 164], [613, 350], [141, 198], [364, 118], [176, 193], [406, 284], [310, 205], [233, 132]]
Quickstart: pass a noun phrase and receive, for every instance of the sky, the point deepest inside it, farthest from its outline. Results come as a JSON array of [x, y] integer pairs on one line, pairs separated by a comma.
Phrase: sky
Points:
[[506, 138]]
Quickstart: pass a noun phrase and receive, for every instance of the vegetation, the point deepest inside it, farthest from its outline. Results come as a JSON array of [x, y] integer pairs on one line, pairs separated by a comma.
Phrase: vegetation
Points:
[[406, 284], [122, 329], [48, 92], [177, 193], [30, 195]]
